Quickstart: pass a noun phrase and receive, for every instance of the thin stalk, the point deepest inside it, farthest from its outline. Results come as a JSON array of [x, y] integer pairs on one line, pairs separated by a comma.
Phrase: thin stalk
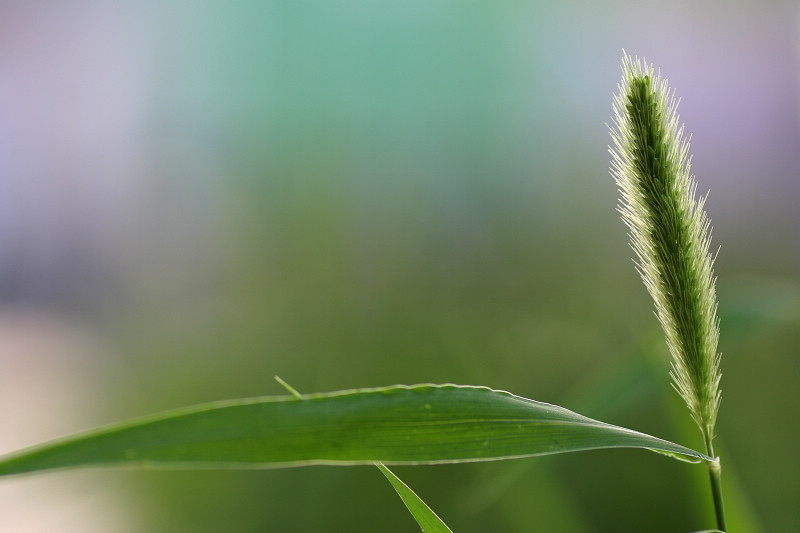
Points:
[[715, 475]]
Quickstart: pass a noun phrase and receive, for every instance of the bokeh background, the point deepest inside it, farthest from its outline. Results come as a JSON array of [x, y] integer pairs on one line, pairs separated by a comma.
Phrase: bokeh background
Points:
[[196, 196]]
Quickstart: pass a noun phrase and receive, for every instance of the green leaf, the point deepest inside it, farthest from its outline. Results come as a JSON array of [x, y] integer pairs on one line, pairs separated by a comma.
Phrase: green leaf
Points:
[[427, 519], [422, 424]]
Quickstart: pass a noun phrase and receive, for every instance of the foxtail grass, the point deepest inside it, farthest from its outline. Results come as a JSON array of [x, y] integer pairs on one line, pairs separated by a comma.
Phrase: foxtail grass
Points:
[[670, 235]]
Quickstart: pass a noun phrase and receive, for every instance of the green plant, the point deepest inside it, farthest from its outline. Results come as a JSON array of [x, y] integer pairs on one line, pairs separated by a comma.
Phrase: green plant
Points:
[[670, 234], [428, 424]]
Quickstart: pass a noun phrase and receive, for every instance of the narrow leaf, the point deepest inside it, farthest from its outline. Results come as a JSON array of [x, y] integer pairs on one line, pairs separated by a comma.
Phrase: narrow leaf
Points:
[[422, 424], [427, 519]]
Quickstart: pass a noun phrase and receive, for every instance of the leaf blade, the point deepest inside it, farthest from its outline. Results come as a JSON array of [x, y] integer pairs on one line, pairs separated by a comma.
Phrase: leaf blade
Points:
[[423, 424], [424, 515]]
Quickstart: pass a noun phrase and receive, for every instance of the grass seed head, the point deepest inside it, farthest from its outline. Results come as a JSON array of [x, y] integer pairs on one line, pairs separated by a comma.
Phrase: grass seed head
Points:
[[669, 231]]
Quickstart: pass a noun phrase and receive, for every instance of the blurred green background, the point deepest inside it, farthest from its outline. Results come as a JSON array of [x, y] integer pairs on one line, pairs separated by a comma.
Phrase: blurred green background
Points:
[[196, 196]]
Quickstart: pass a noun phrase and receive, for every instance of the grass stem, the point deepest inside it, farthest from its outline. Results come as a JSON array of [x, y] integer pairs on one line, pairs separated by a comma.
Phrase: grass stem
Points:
[[715, 475]]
